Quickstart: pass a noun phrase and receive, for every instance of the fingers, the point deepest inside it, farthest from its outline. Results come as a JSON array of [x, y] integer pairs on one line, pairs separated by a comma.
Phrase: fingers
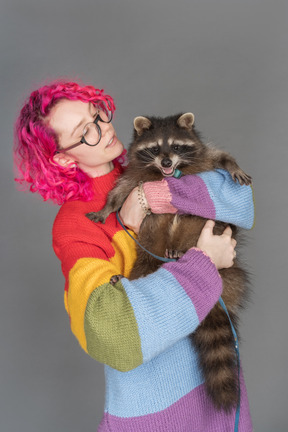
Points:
[[220, 248], [131, 212], [209, 225], [227, 231]]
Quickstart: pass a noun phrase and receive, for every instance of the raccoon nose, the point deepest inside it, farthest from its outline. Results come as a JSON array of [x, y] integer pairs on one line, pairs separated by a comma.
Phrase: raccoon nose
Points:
[[166, 162]]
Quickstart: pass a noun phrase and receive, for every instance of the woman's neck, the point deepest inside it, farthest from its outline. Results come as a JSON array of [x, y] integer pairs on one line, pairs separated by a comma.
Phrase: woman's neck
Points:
[[102, 185], [100, 170]]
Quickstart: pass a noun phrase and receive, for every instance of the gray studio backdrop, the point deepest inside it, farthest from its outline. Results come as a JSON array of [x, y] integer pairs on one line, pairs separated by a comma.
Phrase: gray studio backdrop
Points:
[[224, 60]]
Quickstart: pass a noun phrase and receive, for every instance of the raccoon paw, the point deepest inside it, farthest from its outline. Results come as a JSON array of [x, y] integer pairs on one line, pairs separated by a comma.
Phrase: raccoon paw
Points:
[[95, 217], [115, 278], [242, 177], [174, 254]]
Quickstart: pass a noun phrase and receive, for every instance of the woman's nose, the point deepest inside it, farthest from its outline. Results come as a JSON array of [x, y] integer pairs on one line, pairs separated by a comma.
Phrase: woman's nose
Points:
[[105, 127]]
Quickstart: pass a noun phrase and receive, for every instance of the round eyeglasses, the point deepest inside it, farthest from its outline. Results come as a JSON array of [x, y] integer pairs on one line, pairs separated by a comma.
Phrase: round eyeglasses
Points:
[[92, 131]]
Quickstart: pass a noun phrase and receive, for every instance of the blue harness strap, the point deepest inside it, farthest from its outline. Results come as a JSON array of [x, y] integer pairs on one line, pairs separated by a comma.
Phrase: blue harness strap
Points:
[[236, 345], [166, 260]]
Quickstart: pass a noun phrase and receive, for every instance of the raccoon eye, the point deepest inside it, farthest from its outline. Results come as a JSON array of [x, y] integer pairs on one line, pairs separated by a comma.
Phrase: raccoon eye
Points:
[[175, 147], [155, 150]]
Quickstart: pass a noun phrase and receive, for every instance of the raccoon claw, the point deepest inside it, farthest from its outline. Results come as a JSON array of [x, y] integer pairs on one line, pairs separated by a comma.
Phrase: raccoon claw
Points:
[[95, 217], [173, 254], [115, 278], [242, 178]]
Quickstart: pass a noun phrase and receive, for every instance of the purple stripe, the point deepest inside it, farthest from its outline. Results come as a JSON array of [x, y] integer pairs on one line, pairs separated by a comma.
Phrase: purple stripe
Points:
[[199, 277], [192, 413], [191, 196]]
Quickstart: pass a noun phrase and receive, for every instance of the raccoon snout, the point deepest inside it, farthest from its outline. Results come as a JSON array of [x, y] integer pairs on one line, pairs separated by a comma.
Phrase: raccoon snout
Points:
[[166, 162]]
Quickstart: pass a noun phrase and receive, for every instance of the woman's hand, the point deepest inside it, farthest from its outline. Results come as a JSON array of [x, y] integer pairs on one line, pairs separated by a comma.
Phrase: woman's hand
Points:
[[131, 212], [220, 248]]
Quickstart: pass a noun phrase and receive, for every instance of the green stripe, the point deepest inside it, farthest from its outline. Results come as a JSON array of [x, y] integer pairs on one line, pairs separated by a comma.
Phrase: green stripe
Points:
[[111, 329]]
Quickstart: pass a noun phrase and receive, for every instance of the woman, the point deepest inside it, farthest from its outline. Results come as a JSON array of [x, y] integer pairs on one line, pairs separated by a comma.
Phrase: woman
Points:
[[68, 151]]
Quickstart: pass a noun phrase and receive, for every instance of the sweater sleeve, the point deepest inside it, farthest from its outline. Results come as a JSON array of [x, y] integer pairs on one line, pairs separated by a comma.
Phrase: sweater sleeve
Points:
[[128, 323], [212, 194]]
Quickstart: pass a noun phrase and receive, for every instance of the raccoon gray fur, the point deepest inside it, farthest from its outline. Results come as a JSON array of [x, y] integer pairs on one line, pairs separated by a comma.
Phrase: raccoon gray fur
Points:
[[161, 145]]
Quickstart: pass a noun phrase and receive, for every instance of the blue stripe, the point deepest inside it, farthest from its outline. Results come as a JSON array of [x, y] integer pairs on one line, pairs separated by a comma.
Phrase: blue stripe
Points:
[[163, 311], [233, 202], [153, 386]]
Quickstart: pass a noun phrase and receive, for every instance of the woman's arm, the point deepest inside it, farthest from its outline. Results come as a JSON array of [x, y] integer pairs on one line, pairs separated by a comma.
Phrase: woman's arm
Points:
[[213, 195], [128, 323]]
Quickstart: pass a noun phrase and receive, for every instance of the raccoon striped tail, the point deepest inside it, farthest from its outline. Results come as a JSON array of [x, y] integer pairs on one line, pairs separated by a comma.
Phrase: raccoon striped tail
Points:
[[214, 342]]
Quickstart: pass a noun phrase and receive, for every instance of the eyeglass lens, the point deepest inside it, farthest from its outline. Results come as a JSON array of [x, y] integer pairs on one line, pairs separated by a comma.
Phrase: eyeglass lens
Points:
[[92, 131]]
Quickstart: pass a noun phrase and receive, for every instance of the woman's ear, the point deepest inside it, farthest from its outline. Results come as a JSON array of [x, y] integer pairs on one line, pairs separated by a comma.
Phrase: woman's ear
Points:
[[63, 159]]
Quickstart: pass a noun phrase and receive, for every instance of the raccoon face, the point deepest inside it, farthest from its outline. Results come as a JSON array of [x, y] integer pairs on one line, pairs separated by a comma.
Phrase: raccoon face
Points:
[[166, 156], [164, 144]]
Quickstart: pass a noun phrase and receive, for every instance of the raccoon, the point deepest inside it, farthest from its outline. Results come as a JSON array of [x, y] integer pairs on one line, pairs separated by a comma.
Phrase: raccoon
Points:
[[160, 147]]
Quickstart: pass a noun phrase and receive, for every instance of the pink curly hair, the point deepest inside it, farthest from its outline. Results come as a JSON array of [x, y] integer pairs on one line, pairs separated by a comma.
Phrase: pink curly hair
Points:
[[36, 144]]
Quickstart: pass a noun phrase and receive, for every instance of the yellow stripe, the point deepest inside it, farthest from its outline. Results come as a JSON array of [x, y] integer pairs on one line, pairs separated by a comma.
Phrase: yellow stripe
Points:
[[90, 273], [66, 301]]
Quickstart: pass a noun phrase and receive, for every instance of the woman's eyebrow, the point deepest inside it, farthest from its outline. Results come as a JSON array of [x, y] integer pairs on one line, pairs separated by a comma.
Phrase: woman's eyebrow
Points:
[[77, 126]]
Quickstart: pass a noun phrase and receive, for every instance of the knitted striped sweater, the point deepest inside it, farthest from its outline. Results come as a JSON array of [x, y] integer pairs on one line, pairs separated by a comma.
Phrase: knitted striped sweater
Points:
[[139, 329]]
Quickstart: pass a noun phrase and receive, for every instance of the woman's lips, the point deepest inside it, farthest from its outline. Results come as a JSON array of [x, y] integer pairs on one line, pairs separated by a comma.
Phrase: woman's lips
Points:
[[112, 141]]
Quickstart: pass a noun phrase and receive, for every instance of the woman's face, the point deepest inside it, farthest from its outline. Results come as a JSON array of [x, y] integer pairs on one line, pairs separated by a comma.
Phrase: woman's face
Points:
[[68, 119]]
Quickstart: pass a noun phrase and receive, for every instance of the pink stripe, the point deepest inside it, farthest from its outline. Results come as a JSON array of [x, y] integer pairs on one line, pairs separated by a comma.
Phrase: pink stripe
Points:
[[158, 196], [192, 413]]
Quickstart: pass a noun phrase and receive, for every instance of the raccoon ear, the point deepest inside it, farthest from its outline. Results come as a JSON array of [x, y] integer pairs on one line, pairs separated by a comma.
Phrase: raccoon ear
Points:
[[141, 123], [186, 121]]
